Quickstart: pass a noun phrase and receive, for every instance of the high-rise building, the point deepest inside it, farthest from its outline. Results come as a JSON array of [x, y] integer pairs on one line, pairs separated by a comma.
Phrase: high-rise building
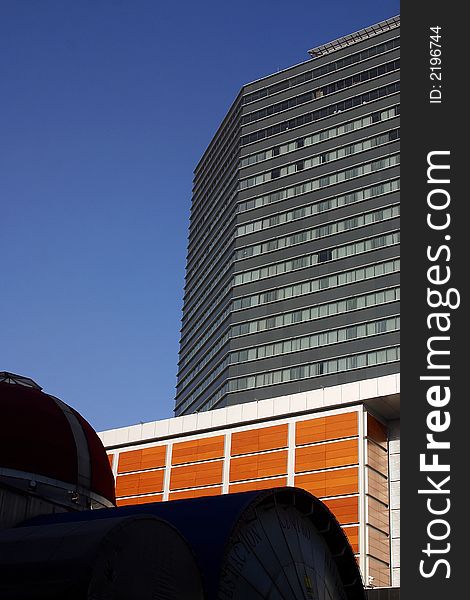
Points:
[[288, 371], [293, 258]]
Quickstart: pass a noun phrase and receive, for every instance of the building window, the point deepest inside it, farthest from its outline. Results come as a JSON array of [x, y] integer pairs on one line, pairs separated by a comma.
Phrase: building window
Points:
[[325, 255]]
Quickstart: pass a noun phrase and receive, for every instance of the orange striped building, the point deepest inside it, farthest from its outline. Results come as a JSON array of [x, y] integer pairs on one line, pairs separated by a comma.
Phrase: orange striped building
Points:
[[339, 443]]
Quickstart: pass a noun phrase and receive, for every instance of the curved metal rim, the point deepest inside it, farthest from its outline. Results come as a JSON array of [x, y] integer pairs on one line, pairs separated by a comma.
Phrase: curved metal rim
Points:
[[326, 524], [13, 474]]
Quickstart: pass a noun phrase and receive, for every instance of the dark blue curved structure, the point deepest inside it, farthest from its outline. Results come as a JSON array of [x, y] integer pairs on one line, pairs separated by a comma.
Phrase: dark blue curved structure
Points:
[[278, 543], [123, 557]]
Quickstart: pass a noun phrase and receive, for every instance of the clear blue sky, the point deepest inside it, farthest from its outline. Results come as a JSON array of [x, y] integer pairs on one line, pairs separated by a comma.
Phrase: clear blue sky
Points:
[[105, 108]]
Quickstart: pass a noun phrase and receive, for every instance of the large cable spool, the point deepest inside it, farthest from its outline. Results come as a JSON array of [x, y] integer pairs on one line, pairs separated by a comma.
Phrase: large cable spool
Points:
[[139, 557], [278, 544]]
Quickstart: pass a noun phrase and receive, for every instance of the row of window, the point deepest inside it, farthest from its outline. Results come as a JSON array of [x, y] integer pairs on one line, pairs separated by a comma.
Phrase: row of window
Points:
[[216, 218], [316, 369], [196, 224], [194, 275], [203, 280], [190, 311], [320, 311], [310, 260], [321, 206], [203, 362], [317, 340], [202, 339], [220, 143], [304, 236], [187, 336], [200, 212], [213, 149], [319, 284], [289, 266], [321, 136], [326, 230], [335, 365], [306, 342], [292, 291], [325, 90], [320, 182], [375, 117], [206, 382], [304, 315], [323, 70], [302, 212], [221, 233], [197, 240], [321, 159], [200, 389], [209, 293], [233, 384], [321, 113], [203, 188]]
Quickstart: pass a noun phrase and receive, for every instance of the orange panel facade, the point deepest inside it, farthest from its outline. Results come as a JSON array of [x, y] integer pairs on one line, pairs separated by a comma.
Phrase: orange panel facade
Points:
[[326, 428], [330, 483], [352, 534], [130, 461], [325, 456], [127, 501], [212, 491], [139, 460], [147, 482], [140, 500], [198, 450], [319, 454], [346, 510], [259, 440], [258, 485], [259, 465], [196, 475]]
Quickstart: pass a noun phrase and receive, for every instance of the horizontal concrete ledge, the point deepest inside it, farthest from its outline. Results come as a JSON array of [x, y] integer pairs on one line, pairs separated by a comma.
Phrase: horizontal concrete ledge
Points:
[[377, 392]]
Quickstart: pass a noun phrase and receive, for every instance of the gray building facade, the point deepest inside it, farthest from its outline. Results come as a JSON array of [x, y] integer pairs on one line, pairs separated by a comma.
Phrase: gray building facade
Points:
[[292, 279]]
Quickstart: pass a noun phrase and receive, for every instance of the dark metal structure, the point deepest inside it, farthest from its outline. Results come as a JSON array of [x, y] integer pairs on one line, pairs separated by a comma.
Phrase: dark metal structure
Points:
[[136, 557], [279, 544]]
